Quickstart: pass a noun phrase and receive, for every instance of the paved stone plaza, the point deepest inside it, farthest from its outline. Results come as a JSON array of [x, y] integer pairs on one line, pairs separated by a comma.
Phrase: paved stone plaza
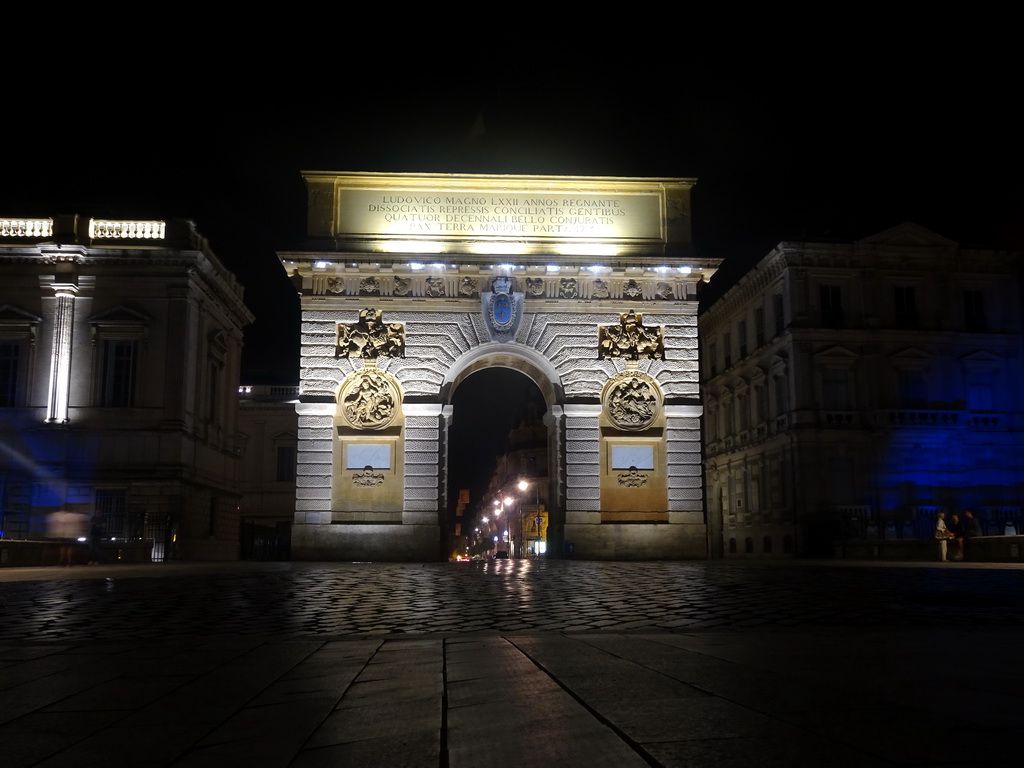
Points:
[[528, 663]]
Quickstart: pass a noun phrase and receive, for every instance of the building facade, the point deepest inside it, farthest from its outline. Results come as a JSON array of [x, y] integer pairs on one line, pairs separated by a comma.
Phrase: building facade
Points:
[[268, 447], [120, 346], [853, 390], [412, 283]]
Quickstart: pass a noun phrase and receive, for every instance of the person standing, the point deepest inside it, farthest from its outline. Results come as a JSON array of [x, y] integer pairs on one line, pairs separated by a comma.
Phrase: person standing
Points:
[[942, 534], [956, 535], [68, 528], [972, 529], [95, 537]]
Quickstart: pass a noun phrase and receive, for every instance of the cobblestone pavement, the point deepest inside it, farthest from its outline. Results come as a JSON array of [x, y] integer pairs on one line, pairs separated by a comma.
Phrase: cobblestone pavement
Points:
[[522, 663], [289, 600]]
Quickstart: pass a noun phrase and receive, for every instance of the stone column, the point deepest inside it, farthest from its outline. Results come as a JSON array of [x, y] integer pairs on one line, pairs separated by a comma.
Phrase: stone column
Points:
[[60, 352], [554, 419]]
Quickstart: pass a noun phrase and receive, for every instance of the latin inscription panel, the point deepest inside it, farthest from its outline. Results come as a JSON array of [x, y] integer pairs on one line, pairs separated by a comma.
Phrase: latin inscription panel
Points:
[[526, 215]]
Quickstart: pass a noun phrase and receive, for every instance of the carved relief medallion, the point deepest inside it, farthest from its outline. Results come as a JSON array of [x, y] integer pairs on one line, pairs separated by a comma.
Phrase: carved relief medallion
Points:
[[435, 287], [632, 400], [369, 399], [535, 286]]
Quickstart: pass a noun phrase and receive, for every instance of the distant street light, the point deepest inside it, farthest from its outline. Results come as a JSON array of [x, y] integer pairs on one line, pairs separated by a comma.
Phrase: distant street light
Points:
[[523, 487], [500, 504], [512, 539]]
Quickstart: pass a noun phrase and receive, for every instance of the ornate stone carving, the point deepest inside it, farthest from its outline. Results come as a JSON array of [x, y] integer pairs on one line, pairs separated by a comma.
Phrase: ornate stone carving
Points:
[[468, 289], [567, 288], [435, 287], [403, 286], [630, 340], [369, 286], [369, 399], [601, 289], [632, 400], [370, 338], [664, 291], [367, 479], [335, 285], [634, 478], [632, 290], [503, 309], [535, 286]]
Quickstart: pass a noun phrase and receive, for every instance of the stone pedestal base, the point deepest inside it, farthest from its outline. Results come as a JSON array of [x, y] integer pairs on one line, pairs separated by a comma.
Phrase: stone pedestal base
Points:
[[366, 542], [636, 541]]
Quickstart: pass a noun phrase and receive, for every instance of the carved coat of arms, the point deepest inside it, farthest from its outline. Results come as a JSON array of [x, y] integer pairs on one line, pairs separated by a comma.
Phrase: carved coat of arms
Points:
[[503, 309]]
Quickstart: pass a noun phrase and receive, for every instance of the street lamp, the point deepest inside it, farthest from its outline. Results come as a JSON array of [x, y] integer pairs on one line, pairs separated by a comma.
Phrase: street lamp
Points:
[[512, 539], [500, 504], [523, 486]]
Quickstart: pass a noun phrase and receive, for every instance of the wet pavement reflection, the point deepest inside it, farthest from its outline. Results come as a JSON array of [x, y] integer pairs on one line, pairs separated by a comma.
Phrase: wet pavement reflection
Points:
[[295, 600]]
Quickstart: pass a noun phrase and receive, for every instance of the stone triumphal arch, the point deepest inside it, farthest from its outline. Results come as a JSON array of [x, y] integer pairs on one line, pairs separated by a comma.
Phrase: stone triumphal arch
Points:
[[409, 283]]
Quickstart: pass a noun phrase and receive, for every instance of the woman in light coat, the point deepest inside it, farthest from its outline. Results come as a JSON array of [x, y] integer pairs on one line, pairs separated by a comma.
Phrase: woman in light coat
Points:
[[942, 534]]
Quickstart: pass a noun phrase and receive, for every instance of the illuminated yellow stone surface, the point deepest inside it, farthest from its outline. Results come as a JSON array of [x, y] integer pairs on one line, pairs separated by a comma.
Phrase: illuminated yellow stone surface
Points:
[[499, 214]]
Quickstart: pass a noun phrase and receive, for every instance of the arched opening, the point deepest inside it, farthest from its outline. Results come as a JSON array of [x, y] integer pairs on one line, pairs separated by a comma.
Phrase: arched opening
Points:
[[498, 465]]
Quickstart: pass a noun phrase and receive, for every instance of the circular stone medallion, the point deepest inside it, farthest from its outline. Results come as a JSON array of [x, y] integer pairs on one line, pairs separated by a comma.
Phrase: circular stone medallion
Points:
[[369, 399], [632, 401]]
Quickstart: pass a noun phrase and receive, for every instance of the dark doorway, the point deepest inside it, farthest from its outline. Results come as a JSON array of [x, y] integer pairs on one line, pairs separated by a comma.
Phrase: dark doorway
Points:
[[497, 420]]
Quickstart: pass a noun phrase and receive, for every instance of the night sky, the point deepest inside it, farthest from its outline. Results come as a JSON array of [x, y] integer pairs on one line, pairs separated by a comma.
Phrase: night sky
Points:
[[895, 132], [777, 151]]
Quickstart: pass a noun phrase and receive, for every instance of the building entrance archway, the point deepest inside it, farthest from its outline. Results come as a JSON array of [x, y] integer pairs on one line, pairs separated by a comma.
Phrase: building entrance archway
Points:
[[498, 465], [412, 283]]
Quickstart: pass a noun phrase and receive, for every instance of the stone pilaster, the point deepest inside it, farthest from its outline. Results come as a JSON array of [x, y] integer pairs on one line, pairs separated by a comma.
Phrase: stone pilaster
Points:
[[60, 352]]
